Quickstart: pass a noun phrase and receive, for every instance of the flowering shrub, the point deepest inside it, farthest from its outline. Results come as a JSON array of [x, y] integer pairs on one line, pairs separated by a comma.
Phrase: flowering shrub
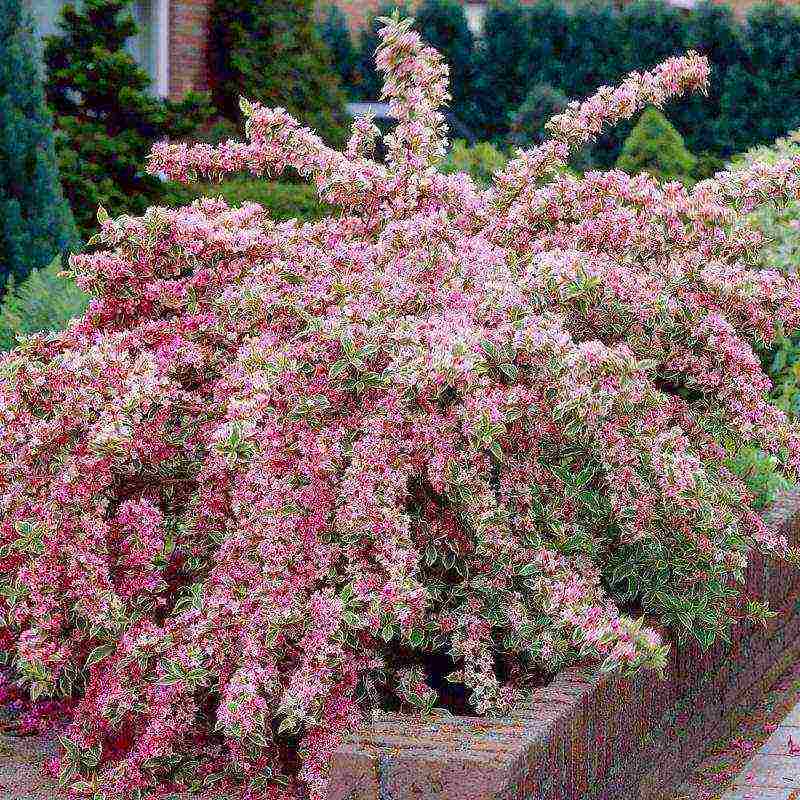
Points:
[[781, 229], [278, 472]]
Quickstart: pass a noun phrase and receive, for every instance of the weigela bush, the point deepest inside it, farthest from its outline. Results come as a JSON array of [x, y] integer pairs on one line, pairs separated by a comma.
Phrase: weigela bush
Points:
[[278, 472]]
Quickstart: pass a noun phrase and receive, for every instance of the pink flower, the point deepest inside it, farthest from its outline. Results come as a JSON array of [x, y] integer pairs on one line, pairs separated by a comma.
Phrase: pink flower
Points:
[[270, 454]]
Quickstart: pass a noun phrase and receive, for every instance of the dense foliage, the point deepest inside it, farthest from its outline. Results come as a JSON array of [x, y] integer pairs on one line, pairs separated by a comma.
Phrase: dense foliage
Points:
[[443, 25], [480, 161], [654, 146], [781, 229], [335, 33], [106, 116], [272, 52], [277, 468], [527, 123], [281, 201], [754, 90], [35, 221], [45, 301], [761, 96]]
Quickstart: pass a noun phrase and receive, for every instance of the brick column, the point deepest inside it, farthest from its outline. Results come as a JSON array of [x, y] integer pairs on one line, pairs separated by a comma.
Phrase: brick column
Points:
[[188, 46]]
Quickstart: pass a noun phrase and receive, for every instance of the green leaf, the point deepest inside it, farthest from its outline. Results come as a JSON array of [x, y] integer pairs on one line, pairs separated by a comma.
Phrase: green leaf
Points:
[[98, 654], [416, 638]]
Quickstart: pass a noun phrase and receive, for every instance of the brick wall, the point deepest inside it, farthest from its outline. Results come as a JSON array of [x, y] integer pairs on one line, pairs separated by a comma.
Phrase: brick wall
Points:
[[188, 46]]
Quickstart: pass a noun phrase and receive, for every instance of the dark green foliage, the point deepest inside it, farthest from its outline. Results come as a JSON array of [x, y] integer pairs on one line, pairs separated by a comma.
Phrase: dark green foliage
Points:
[[714, 32], [35, 221], [335, 33], [595, 51], [502, 78], [106, 116], [368, 83], [652, 31], [527, 122], [443, 24], [549, 35], [655, 146], [282, 200], [761, 94], [759, 471], [44, 301], [272, 53]]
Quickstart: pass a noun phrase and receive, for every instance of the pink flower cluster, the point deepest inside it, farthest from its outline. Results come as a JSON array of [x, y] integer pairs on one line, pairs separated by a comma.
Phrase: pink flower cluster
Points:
[[276, 468]]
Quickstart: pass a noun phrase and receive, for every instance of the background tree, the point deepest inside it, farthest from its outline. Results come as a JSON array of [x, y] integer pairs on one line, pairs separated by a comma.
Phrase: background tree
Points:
[[369, 83], [45, 301], [443, 25], [35, 220], [335, 33], [501, 76], [760, 98], [106, 115], [526, 123], [652, 31], [656, 147], [716, 33], [594, 51], [273, 53]]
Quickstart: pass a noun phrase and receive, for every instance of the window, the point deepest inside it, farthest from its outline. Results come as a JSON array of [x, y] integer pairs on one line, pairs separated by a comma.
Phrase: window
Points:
[[143, 46], [46, 14], [476, 14]]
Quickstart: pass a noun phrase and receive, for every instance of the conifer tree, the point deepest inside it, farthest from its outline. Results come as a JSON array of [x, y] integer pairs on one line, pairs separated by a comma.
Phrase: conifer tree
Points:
[[369, 82], [522, 47], [595, 50], [656, 147], [761, 94], [714, 32], [272, 53], [443, 25], [652, 31], [527, 123], [502, 78], [45, 301], [35, 221], [335, 33], [106, 113]]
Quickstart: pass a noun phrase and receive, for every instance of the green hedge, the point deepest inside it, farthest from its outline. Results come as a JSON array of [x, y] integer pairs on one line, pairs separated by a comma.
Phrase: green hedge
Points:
[[781, 227], [282, 200], [754, 94]]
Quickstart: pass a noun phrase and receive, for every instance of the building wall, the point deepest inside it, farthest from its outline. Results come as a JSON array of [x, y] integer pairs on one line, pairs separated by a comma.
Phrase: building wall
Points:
[[188, 46]]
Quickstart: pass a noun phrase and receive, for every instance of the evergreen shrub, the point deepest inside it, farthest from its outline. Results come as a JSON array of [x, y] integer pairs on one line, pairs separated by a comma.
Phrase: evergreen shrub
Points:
[[273, 53], [106, 116], [35, 221], [45, 301], [655, 147]]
